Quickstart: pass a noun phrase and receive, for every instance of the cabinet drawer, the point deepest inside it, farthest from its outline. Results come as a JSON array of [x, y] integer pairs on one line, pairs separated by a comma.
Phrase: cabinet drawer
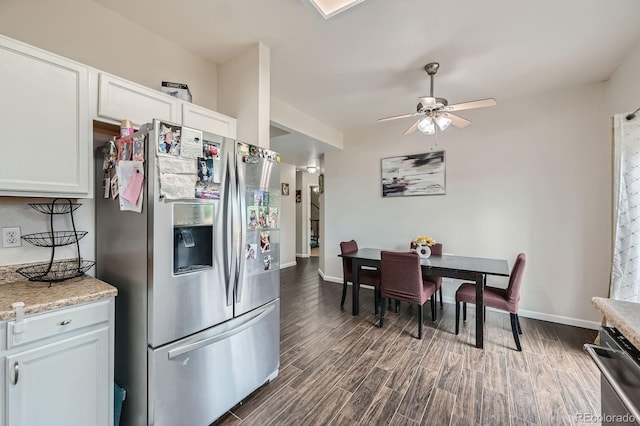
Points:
[[56, 323]]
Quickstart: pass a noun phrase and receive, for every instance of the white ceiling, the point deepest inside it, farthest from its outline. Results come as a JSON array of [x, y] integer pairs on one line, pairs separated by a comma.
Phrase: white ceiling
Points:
[[298, 149], [367, 62]]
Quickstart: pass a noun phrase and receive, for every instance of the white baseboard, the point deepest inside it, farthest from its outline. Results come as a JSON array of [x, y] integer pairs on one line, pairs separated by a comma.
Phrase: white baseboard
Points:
[[288, 265], [302, 255], [330, 278], [322, 275], [593, 325], [560, 319]]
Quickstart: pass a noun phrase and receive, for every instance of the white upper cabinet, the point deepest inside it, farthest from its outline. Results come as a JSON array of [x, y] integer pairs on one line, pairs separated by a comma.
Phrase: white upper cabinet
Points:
[[120, 99], [46, 131], [209, 121]]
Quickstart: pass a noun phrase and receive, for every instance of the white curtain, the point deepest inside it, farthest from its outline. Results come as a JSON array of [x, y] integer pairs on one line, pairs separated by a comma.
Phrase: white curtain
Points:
[[625, 273]]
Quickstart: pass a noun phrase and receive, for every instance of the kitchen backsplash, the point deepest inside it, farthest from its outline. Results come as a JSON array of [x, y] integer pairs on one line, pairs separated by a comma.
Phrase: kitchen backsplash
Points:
[[16, 211]]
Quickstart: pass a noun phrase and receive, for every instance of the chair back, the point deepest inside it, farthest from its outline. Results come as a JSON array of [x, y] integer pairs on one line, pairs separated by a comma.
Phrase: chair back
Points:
[[436, 249], [347, 247], [515, 280], [401, 276]]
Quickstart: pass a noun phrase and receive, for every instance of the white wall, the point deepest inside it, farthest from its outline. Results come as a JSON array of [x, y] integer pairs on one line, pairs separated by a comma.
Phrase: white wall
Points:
[[244, 90], [623, 88], [89, 33], [530, 175], [288, 217], [292, 118]]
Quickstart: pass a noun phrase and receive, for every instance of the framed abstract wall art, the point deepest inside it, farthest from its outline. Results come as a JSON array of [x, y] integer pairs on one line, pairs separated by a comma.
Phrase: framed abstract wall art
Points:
[[416, 174]]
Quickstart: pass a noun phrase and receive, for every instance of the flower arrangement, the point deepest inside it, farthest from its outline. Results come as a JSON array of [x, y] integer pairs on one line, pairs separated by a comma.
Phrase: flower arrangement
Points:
[[422, 240]]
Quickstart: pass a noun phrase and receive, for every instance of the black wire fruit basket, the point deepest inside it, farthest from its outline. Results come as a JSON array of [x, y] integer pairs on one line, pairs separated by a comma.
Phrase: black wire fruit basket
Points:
[[59, 270], [53, 208], [57, 238]]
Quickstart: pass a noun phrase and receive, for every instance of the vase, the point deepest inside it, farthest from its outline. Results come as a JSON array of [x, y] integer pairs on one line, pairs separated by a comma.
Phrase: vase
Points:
[[423, 251]]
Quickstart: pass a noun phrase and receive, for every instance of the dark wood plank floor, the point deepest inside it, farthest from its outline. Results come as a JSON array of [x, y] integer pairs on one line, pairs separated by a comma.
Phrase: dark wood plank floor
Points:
[[343, 370]]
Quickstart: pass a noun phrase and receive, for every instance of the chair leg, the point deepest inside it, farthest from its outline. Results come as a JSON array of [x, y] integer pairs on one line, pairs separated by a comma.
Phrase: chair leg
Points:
[[381, 311], [514, 330], [344, 292], [464, 311], [441, 304], [433, 307], [518, 322], [397, 306], [484, 312], [457, 317], [376, 300], [420, 308]]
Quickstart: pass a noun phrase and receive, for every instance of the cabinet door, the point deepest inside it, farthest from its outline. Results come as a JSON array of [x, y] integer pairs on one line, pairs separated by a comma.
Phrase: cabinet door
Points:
[[63, 383], [45, 131], [120, 99], [209, 121]]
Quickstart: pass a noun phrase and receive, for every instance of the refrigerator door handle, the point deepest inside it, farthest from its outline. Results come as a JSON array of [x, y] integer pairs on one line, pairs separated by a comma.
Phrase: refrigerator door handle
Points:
[[243, 226], [230, 240], [174, 353]]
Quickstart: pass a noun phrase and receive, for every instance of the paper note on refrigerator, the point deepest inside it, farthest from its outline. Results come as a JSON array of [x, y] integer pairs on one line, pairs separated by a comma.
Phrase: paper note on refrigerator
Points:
[[191, 141], [177, 177], [126, 170], [177, 187], [134, 189], [177, 165]]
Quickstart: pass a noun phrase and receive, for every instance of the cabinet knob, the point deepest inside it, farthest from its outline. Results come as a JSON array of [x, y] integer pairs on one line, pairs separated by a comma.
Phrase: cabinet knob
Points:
[[65, 322]]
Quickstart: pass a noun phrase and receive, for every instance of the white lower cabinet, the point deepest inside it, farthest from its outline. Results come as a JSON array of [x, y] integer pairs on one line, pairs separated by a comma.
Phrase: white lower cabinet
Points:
[[64, 378], [62, 383]]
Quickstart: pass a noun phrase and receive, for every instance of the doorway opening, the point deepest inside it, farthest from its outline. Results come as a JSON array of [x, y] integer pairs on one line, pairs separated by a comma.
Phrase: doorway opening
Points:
[[314, 219]]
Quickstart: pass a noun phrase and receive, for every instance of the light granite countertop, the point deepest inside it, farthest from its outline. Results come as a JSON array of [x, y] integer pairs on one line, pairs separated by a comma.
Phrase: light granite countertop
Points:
[[625, 316], [38, 297]]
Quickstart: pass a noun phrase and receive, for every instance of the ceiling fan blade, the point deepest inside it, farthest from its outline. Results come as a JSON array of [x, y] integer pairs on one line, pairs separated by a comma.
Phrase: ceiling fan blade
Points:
[[395, 117], [481, 103], [411, 129], [458, 121]]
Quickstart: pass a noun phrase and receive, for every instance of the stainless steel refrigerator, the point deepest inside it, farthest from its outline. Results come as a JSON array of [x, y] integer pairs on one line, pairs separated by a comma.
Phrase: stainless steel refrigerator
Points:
[[198, 308]]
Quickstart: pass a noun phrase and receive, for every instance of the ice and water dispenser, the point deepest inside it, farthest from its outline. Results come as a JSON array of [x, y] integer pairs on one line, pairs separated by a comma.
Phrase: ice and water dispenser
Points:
[[192, 237]]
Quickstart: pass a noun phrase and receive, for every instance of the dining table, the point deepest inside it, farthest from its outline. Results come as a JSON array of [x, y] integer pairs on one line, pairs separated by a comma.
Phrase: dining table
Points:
[[474, 269]]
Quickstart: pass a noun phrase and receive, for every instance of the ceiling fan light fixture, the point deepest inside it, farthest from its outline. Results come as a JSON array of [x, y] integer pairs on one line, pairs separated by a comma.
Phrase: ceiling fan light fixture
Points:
[[429, 102], [443, 121], [312, 169], [437, 111], [426, 126]]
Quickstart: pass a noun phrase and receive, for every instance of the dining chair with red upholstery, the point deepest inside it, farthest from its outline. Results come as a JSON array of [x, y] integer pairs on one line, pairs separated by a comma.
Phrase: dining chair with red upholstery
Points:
[[436, 250], [505, 299], [401, 279], [365, 276]]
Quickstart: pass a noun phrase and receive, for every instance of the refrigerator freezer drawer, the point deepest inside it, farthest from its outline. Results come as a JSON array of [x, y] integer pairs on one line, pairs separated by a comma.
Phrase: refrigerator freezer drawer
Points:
[[196, 380]]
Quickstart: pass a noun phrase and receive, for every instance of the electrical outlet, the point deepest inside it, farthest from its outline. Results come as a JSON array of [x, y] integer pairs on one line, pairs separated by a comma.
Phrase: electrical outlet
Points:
[[11, 237]]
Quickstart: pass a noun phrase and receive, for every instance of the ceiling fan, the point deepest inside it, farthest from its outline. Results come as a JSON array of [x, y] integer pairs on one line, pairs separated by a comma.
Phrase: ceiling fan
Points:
[[437, 111]]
